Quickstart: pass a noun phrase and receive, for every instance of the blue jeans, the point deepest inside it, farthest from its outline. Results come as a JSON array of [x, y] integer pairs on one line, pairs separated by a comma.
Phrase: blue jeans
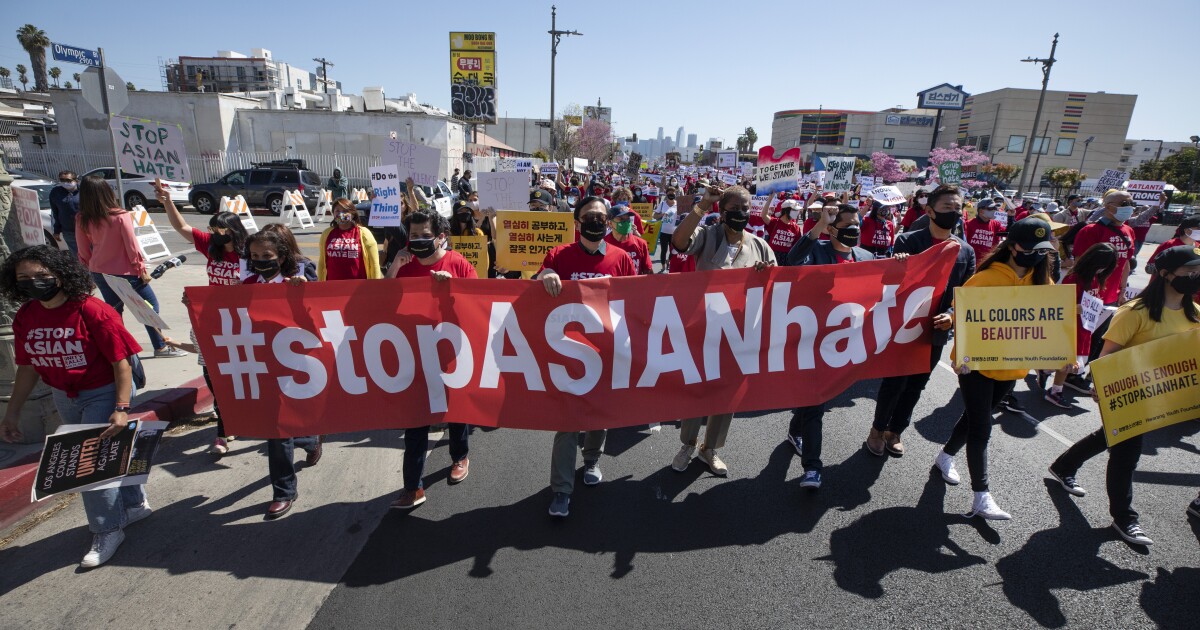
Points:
[[281, 467], [146, 293], [808, 422], [416, 443], [105, 509], [69, 241]]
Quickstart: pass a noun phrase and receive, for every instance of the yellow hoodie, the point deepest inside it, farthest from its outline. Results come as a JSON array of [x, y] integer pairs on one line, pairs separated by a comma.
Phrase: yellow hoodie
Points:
[[999, 275]]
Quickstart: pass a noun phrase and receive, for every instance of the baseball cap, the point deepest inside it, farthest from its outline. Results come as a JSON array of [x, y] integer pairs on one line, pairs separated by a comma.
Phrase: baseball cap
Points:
[[541, 196], [789, 204], [985, 204], [620, 209], [1176, 257], [1071, 198], [1030, 234], [460, 205]]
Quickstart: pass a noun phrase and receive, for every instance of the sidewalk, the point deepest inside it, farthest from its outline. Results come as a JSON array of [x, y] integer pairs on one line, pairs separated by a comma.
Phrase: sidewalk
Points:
[[174, 391]]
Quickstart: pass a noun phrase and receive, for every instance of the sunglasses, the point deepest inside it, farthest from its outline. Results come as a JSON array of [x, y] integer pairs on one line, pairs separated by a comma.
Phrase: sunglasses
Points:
[[345, 217]]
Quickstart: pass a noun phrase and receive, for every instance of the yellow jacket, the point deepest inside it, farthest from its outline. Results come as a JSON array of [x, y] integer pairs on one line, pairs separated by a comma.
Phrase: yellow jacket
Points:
[[999, 275], [369, 248]]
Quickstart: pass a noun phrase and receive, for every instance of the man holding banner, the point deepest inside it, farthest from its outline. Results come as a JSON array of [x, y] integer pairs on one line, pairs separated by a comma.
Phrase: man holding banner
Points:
[[1164, 309], [622, 237], [589, 258]]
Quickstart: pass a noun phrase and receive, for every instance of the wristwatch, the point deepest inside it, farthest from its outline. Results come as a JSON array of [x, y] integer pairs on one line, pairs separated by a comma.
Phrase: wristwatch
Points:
[[121, 409]]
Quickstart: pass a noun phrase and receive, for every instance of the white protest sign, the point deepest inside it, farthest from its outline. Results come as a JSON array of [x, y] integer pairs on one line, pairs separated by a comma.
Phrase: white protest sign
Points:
[[150, 148], [839, 174], [1093, 312], [549, 169], [729, 180], [906, 188], [29, 214], [1002, 217], [504, 191], [726, 159], [524, 165], [413, 160], [1112, 178], [757, 202], [506, 165], [747, 169], [657, 179], [777, 174], [385, 205], [867, 182], [134, 302], [1132, 292], [887, 195], [579, 165], [1145, 193]]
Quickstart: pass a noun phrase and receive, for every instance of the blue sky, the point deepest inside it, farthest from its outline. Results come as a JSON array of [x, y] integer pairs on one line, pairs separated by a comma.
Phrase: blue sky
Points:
[[713, 67]]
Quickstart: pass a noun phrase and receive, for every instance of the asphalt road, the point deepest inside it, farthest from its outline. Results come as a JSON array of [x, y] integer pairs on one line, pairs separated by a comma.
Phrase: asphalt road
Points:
[[882, 544]]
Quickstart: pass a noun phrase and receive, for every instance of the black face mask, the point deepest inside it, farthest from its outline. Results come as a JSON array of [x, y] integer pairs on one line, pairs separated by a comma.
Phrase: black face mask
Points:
[[462, 217], [265, 268], [737, 219], [946, 220], [220, 240], [421, 247], [1186, 285], [848, 235], [671, 196], [40, 289], [1028, 259], [593, 230]]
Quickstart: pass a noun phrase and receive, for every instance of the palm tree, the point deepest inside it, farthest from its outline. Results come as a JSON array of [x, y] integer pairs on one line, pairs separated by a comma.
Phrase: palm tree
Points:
[[68, 85], [55, 72], [76, 77], [35, 41], [21, 70], [4, 74]]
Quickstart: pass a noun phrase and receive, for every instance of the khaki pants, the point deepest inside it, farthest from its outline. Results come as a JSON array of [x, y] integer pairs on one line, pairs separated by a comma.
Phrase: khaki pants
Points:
[[562, 458], [714, 436]]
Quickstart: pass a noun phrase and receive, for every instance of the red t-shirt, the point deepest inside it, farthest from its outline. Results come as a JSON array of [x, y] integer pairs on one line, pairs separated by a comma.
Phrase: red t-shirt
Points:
[[226, 271], [1175, 242], [451, 262], [781, 236], [912, 214], [72, 347], [1022, 212], [877, 234], [757, 226], [682, 263], [1121, 238], [573, 262], [983, 236], [809, 224], [1083, 337], [637, 249], [343, 255]]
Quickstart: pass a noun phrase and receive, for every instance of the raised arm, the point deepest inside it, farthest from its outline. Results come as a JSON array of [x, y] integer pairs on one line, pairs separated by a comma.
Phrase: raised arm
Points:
[[173, 215]]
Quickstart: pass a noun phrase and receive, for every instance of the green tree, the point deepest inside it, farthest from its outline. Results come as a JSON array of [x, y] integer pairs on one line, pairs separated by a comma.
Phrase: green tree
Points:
[[76, 77], [55, 72], [22, 76], [745, 142], [67, 85], [130, 86], [864, 166], [1063, 180], [35, 41], [1001, 172], [1175, 169], [541, 155]]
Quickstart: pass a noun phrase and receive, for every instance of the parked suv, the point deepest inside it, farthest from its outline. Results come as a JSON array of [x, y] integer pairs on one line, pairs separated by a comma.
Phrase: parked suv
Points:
[[261, 186]]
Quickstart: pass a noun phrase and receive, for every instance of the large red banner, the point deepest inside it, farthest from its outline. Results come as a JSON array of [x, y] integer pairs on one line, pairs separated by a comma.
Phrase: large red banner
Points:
[[333, 357]]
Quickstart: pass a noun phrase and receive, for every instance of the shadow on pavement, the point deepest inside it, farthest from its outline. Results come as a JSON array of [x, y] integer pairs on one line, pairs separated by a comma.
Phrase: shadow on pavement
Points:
[[1062, 557]]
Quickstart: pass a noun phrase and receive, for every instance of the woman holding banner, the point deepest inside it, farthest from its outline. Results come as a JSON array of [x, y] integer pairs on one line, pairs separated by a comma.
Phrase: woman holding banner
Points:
[[60, 324], [1163, 309], [1021, 260], [348, 251], [428, 233], [1089, 274]]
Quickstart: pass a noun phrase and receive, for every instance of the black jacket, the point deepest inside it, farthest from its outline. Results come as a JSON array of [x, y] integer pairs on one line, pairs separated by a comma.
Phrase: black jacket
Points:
[[809, 252], [964, 267]]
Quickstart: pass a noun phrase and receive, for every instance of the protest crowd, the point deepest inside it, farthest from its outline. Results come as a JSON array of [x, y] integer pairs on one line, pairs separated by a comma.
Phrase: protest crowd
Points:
[[690, 220]]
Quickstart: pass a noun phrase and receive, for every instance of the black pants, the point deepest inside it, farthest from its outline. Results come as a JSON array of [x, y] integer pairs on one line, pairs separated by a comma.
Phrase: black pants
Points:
[[1098, 337], [898, 396], [1122, 461], [664, 248], [974, 428], [216, 411], [807, 423]]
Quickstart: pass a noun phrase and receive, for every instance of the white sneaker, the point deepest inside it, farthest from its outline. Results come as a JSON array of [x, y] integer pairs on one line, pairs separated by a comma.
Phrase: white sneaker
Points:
[[683, 458], [945, 465], [709, 456], [103, 548], [986, 507], [137, 513], [655, 427], [219, 447]]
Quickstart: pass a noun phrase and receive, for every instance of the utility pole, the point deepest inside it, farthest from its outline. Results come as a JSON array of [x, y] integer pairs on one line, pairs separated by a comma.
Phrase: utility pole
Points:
[[1045, 131], [1086, 144], [1195, 158], [108, 120], [555, 37], [1037, 118], [325, 63]]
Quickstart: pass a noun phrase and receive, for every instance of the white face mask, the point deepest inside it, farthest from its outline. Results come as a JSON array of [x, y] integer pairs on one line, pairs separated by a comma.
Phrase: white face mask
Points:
[[68, 185], [474, 204], [795, 214], [1194, 235], [922, 200]]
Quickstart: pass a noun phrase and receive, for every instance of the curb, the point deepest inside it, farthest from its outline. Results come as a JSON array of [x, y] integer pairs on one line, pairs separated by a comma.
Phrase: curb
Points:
[[171, 406]]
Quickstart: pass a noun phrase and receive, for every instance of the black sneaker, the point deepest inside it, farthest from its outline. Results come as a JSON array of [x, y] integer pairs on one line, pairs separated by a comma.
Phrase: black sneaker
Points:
[[1068, 483], [1133, 534], [1079, 384], [1194, 507], [1010, 404]]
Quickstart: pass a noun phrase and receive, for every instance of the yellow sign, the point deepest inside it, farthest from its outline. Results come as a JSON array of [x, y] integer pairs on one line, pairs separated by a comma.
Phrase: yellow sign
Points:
[[523, 238], [473, 67], [651, 235], [1015, 328], [1148, 386], [475, 250], [644, 210], [472, 41], [573, 120]]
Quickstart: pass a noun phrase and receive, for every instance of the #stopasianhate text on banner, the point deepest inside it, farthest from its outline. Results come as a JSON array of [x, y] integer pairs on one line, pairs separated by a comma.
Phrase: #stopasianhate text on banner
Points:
[[346, 356]]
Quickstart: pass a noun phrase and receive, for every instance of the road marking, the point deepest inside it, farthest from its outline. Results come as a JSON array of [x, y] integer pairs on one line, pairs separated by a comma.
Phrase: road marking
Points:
[[1028, 418]]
